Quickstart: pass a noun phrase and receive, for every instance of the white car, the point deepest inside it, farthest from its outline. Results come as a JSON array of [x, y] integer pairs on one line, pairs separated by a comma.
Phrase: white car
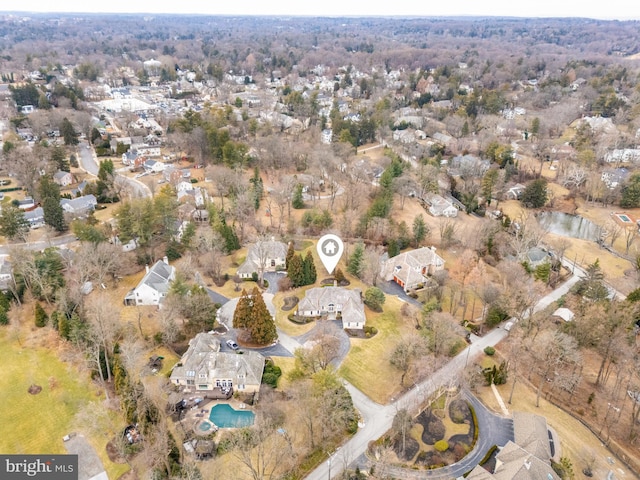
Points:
[[232, 345]]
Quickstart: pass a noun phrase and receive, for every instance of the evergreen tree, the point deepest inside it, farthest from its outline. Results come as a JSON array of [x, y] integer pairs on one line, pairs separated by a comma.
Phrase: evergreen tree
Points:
[[420, 230], [59, 158], [339, 276], [13, 224], [53, 214], [404, 237], [535, 194], [392, 248], [4, 318], [309, 270], [631, 192], [296, 271], [356, 261], [290, 254], [41, 316], [257, 188], [297, 201], [242, 314], [262, 327], [50, 197], [104, 186], [68, 132]]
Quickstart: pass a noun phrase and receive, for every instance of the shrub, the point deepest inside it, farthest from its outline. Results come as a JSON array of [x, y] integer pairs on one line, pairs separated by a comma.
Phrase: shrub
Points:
[[41, 317], [490, 351], [271, 374], [4, 319], [441, 446], [496, 315]]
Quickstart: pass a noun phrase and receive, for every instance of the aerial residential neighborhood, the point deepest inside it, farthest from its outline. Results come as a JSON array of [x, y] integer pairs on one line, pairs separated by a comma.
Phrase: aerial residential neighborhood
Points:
[[309, 247]]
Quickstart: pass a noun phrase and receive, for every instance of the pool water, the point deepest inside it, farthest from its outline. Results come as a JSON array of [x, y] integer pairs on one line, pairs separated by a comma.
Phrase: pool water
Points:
[[226, 417], [205, 426]]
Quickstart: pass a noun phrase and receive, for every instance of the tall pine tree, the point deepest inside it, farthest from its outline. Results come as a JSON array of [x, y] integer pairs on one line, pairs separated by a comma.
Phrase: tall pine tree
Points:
[[50, 197], [242, 314], [309, 269], [356, 261], [290, 254], [262, 327], [296, 271]]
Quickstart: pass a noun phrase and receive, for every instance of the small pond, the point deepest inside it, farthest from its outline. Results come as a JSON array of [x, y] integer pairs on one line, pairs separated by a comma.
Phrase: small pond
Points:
[[569, 225]]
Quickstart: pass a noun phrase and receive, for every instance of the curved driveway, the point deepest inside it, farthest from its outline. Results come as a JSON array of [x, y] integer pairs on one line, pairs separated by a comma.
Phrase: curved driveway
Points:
[[492, 430]]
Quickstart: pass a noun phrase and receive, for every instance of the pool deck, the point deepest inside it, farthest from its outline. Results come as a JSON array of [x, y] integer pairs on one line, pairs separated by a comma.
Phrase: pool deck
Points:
[[193, 417]]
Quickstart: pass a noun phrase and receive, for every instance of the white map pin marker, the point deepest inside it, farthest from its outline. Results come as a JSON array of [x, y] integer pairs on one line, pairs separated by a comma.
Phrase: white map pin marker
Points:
[[330, 248]]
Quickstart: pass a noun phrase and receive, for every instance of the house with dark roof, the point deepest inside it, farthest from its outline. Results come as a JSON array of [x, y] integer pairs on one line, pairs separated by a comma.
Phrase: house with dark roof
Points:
[[154, 286], [334, 301], [203, 368], [411, 269]]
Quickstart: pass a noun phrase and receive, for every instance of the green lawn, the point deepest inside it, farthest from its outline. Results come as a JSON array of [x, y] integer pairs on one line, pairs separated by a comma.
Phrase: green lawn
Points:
[[33, 424], [367, 365], [36, 423]]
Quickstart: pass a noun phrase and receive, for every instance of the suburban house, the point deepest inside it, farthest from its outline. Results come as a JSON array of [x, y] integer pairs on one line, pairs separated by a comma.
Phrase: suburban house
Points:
[[265, 255], [35, 217], [564, 313], [26, 204], [410, 269], [154, 286], [440, 206], [614, 177], [515, 192], [153, 166], [333, 301], [79, 190], [6, 273], [197, 196], [528, 457], [80, 205], [206, 370], [536, 256], [63, 178]]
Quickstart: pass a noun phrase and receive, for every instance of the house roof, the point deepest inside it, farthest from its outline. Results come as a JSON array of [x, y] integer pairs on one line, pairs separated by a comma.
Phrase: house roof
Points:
[[204, 357], [317, 298], [59, 175], [564, 313], [158, 277], [262, 251], [79, 204], [408, 266], [515, 463], [531, 433]]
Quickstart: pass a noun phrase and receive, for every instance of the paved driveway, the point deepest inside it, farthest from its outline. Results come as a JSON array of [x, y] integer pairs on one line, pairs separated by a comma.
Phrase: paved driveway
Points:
[[334, 328], [492, 430], [392, 288]]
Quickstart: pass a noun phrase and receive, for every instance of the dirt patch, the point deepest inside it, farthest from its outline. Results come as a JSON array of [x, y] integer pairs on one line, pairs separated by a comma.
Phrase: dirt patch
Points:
[[433, 428], [34, 389], [113, 453], [289, 303], [411, 447]]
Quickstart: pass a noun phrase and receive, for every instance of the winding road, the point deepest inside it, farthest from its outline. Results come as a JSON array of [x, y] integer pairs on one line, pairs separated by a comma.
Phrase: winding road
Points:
[[89, 162]]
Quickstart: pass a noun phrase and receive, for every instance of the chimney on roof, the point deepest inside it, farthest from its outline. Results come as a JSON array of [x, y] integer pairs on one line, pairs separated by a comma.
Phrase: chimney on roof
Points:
[[165, 260], [433, 249], [527, 465], [146, 267]]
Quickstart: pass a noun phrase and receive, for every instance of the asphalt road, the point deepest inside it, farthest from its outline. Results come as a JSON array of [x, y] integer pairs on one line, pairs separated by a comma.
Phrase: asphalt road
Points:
[[378, 418], [89, 162]]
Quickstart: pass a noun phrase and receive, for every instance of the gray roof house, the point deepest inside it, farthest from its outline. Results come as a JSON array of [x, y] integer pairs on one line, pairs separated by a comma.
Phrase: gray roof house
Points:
[[63, 178], [330, 301], [527, 458], [80, 205], [35, 217], [269, 254], [154, 286], [410, 269], [6, 274], [204, 368]]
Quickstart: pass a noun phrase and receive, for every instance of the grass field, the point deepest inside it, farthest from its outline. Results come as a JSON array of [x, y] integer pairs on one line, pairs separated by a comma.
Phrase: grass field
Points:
[[37, 423], [367, 365]]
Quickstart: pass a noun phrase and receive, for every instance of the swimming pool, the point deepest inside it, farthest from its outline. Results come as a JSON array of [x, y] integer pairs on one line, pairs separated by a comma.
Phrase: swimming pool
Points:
[[205, 426], [224, 416]]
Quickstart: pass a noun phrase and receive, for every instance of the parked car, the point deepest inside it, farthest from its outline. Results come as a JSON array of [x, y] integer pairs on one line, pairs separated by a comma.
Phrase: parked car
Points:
[[232, 345]]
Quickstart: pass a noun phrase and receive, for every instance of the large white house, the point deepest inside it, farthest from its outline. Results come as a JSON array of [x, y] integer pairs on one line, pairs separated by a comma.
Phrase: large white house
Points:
[[204, 368], [265, 255], [154, 286], [410, 269], [331, 301]]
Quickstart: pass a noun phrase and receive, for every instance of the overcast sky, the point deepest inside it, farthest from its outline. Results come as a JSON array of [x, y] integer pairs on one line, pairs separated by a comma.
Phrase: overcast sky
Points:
[[603, 9]]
